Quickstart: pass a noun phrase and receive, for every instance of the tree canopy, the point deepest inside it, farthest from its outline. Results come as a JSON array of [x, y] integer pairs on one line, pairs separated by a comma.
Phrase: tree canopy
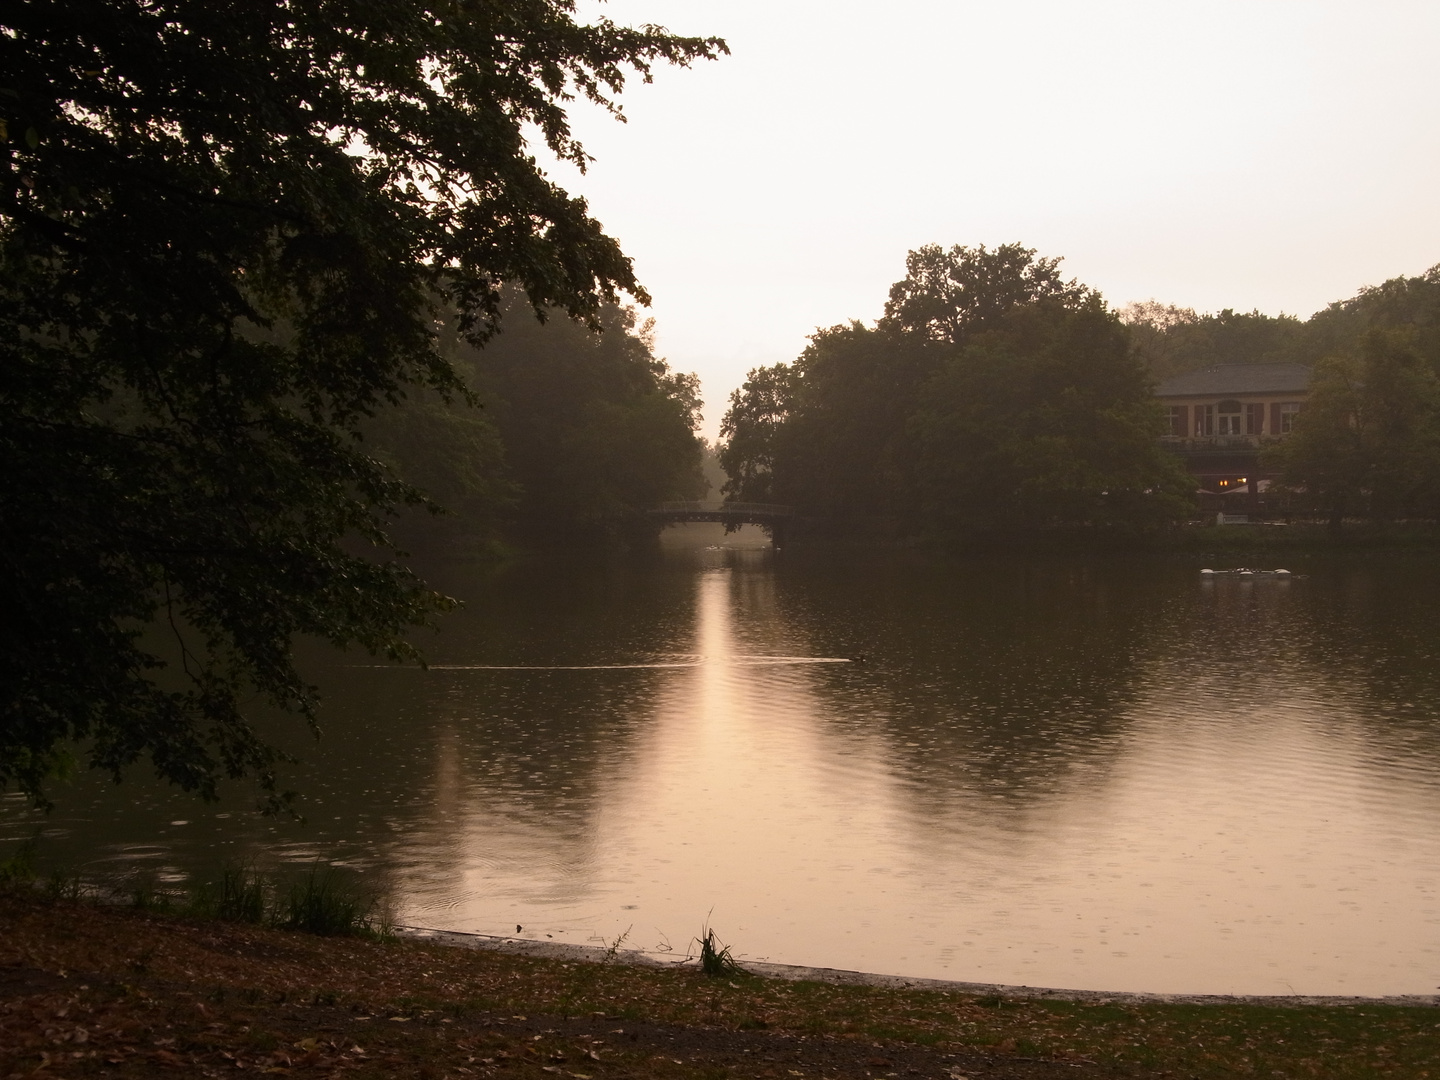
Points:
[[581, 434], [946, 296], [1172, 339], [992, 396], [227, 235], [1367, 443]]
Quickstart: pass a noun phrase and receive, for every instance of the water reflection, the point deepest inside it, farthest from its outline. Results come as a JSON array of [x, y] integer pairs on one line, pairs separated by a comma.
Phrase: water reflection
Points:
[[1097, 775]]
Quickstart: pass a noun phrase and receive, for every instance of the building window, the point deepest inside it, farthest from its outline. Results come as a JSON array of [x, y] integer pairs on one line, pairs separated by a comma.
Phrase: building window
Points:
[[1254, 418], [1204, 420], [1178, 418], [1229, 419], [1288, 412]]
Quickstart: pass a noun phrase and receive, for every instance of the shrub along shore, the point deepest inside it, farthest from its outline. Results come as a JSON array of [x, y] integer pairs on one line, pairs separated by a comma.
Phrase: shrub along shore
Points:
[[92, 989]]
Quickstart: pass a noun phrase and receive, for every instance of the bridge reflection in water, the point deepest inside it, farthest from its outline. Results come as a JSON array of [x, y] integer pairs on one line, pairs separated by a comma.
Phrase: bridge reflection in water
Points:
[[773, 518]]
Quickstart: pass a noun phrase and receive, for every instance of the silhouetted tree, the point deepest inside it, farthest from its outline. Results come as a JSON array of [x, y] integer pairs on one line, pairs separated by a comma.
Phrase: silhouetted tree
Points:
[[992, 394], [947, 296], [224, 231], [1368, 442], [1045, 420], [596, 428], [1172, 340], [749, 430]]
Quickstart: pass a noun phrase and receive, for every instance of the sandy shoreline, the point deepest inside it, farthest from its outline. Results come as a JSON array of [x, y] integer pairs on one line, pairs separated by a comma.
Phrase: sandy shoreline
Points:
[[594, 954]]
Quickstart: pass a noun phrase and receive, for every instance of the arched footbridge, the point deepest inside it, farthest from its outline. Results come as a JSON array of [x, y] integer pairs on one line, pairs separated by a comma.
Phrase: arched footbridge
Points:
[[769, 516]]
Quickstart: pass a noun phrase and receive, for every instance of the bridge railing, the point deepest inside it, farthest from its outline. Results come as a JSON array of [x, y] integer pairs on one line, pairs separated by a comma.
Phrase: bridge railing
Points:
[[767, 509], [772, 509]]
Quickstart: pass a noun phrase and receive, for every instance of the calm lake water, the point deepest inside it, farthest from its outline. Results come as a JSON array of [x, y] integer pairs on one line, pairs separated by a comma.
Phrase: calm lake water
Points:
[[1108, 775]]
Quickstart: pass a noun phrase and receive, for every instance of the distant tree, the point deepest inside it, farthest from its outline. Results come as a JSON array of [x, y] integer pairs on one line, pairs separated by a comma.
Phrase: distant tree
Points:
[[1171, 340], [714, 473], [750, 431], [225, 230], [1368, 442], [452, 451], [1158, 334], [1409, 304], [596, 428], [992, 394], [947, 295], [1045, 420], [844, 449]]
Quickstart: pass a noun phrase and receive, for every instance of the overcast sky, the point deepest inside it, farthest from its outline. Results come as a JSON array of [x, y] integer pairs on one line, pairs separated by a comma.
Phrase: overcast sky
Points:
[[1258, 154]]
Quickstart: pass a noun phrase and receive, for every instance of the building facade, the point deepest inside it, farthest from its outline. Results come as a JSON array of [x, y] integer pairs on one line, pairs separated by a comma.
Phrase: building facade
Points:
[[1220, 418]]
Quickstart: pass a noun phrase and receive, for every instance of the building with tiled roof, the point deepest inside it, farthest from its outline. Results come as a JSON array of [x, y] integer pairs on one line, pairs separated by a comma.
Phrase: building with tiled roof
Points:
[[1220, 417]]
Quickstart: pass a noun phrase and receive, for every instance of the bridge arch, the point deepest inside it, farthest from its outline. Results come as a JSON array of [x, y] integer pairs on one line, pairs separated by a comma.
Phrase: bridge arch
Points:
[[771, 517]]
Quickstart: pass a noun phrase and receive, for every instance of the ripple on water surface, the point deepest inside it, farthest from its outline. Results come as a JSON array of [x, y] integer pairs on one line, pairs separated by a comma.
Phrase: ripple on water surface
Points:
[[1102, 776]]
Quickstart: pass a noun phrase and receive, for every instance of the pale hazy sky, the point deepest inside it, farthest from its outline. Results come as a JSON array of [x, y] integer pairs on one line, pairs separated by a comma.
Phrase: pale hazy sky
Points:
[[1260, 154]]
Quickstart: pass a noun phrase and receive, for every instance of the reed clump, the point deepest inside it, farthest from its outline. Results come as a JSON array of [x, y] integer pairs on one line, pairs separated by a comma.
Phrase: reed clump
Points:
[[715, 958], [322, 901]]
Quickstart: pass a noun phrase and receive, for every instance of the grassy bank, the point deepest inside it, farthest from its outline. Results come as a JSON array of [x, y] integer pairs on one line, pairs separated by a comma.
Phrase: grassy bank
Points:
[[90, 990]]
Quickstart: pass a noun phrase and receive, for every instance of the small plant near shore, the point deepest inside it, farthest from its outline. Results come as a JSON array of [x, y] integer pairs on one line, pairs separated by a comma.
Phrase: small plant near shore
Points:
[[61, 886], [19, 869], [146, 895], [715, 958], [587, 974], [242, 894], [321, 904], [241, 897]]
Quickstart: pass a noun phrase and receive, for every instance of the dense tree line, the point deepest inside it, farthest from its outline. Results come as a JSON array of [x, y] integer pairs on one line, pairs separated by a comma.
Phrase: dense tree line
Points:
[[1171, 340], [226, 234], [572, 435], [992, 396], [1368, 441]]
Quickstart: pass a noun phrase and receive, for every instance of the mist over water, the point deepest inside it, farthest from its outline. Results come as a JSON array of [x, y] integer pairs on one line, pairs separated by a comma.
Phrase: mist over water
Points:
[[1107, 775]]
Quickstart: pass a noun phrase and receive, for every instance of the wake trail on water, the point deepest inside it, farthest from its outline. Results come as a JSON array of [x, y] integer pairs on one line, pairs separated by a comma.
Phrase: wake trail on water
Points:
[[698, 661]]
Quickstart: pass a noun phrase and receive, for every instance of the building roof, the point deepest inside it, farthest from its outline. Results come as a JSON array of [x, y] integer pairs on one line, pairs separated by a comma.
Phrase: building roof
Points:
[[1238, 379]]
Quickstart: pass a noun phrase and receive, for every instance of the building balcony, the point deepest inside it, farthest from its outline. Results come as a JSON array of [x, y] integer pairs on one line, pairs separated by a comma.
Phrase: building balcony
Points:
[[1218, 442]]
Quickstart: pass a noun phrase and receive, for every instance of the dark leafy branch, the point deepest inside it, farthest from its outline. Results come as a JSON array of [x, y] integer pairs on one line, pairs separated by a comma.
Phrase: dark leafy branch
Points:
[[226, 234]]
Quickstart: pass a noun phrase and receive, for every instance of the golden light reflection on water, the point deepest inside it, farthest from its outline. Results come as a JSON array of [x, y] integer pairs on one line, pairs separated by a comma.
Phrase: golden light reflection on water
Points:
[[1103, 777], [1225, 842]]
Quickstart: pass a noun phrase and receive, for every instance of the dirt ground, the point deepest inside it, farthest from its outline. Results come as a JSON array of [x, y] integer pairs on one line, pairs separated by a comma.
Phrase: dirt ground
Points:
[[93, 990]]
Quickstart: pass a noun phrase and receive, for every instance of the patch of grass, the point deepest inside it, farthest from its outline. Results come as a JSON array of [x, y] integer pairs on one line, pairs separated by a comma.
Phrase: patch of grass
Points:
[[242, 894], [19, 869], [322, 903], [145, 895], [587, 974], [62, 886], [253, 980]]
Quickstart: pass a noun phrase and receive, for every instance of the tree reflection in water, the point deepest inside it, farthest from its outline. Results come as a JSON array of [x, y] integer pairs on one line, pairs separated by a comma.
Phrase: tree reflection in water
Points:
[[1093, 774]]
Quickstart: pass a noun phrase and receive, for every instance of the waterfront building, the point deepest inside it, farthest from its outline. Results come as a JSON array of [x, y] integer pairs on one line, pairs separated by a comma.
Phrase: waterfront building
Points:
[[1221, 417]]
